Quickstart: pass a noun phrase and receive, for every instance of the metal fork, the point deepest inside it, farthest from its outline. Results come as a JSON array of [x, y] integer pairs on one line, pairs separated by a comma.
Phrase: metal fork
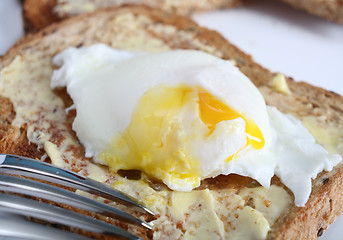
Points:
[[14, 206]]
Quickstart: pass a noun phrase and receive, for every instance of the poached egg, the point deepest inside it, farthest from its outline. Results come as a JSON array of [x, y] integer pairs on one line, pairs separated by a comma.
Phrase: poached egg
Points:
[[183, 116]]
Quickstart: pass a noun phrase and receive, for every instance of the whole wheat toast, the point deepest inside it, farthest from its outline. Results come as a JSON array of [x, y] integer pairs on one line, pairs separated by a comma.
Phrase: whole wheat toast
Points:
[[140, 28], [41, 13]]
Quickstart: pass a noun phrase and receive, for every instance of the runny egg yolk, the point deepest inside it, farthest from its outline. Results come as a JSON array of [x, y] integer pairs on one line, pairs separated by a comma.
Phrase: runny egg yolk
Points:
[[213, 111], [158, 139]]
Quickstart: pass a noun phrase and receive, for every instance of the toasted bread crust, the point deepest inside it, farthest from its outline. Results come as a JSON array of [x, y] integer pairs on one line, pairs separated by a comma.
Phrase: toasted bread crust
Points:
[[326, 200], [39, 14], [330, 10]]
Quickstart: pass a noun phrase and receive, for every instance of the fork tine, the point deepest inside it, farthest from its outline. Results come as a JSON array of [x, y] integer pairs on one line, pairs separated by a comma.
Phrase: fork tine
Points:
[[37, 169], [9, 225], [24, 186], [27, 207]]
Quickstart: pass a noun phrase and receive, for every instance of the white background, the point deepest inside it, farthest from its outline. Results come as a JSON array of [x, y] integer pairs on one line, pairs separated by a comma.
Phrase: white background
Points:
[[278, 37]]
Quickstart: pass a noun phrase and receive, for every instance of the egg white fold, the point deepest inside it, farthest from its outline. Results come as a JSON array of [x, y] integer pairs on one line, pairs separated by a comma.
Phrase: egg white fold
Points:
[[293, 156], [299, 157]]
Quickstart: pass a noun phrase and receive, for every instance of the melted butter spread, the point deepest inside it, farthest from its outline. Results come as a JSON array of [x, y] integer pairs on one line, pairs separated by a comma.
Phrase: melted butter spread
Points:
[[37, 107], [228, 214], [269, 202], [240, 221], [196, 205], [330, 137], [210, 214], [96, 172], [55, 155]]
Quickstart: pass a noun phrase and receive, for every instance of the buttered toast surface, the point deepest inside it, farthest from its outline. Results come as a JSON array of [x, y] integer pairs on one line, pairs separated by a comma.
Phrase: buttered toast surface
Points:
[[33, 115]]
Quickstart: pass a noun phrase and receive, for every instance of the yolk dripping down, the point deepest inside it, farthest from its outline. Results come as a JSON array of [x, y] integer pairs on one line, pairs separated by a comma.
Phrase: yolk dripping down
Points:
[[157, 141], [154, 140]]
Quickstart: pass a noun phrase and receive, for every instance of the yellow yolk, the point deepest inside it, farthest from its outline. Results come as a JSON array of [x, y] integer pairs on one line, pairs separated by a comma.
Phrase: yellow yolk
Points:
[[213, 111], [153, 142], [156, 140]]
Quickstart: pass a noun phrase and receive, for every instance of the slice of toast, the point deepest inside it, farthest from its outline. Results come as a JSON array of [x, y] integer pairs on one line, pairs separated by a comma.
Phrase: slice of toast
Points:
[[38, 14], [330, 10], [32, 115]]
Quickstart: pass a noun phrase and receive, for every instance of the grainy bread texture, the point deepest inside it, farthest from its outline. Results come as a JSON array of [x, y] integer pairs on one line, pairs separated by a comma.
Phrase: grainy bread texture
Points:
[[40, 13], [331, 10], [28, 65]]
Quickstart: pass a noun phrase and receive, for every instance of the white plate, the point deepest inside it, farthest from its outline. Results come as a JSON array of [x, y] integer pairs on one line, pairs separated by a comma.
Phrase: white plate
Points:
[[11, 26], [278, 37]]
